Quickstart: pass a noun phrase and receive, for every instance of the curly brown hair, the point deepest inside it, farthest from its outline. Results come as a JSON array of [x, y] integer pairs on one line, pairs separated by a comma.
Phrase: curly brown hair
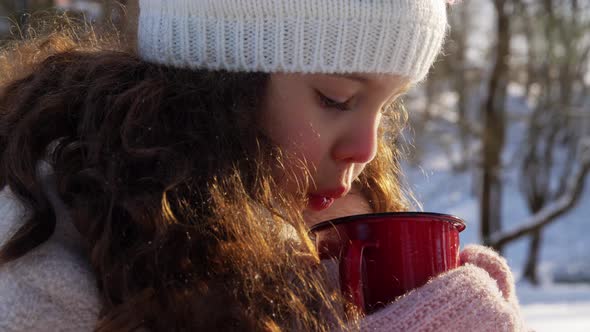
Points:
[[153, 164]]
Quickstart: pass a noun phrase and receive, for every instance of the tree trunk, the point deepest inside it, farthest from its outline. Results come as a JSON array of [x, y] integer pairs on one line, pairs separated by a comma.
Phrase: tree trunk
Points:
[[458, 61], [494, 131], [130, 27], [530, 270]]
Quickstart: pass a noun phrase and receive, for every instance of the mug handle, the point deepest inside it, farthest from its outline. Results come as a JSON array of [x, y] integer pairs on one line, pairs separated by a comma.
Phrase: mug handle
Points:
[[351, 271]]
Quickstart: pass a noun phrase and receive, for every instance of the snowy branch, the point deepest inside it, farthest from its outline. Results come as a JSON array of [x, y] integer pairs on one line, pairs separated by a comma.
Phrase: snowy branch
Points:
[[552, 211]]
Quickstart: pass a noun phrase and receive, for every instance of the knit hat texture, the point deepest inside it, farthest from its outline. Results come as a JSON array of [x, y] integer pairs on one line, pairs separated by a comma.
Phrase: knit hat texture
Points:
[[307, 36]]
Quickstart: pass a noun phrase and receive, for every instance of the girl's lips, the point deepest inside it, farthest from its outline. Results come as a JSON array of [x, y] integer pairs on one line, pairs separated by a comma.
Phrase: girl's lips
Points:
[[319, 203]]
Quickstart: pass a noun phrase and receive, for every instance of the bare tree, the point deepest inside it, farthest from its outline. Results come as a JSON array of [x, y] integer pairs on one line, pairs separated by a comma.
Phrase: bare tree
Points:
[[495, 127], [551, 154], [459, 38]]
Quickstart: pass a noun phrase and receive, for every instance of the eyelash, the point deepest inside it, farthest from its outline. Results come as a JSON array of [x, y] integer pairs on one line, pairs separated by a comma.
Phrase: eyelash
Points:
[[330, 103]]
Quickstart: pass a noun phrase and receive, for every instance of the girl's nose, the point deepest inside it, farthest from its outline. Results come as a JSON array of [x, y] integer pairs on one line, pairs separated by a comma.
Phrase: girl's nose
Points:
[[358, 142]]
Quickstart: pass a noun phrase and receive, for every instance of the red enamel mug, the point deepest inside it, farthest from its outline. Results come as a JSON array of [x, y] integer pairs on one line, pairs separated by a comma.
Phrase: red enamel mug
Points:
[[384, 255]]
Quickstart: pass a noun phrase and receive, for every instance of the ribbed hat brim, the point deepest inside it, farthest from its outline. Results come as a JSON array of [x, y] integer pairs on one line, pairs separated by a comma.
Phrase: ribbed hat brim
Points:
[[220, 36]]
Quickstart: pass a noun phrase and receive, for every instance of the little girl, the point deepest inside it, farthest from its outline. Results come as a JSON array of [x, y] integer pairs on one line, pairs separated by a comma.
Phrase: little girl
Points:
[[170, 187]]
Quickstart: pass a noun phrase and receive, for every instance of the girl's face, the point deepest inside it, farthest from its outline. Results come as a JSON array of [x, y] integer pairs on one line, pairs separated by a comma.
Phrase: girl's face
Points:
[[331, 123]]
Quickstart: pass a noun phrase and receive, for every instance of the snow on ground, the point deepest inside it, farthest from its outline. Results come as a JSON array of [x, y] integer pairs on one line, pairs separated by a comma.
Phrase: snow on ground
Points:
[[556, 307]]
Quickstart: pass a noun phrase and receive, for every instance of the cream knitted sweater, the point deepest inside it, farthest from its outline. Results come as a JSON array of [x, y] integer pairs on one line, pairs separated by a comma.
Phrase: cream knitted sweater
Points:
[[52, 288]]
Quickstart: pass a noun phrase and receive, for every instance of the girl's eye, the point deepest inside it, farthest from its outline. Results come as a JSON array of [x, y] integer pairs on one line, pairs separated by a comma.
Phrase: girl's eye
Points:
[[330, 103]]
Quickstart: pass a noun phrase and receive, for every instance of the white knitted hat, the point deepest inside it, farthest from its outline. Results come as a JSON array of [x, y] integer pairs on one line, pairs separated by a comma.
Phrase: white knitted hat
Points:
[[307, 36]]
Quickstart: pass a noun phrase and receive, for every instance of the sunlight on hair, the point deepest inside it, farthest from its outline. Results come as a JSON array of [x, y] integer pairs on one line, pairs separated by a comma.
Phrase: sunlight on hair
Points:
[[48, 33]]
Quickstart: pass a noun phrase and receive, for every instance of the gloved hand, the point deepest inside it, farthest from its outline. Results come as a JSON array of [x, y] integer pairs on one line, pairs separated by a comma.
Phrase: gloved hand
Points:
[[478, 296]]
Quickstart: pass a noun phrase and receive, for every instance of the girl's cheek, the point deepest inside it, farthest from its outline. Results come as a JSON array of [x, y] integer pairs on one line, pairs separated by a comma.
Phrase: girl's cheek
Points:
[[305, 142], [302, 149]]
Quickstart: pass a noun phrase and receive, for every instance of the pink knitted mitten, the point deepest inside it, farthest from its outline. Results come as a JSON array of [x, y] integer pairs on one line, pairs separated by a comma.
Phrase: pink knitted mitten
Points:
[[495, 265], [478, 296]]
